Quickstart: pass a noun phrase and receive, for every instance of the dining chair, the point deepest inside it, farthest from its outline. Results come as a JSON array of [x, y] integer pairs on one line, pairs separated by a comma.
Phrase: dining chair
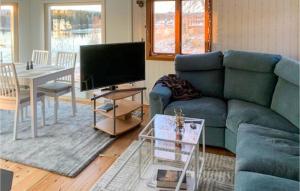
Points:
[[40, 56], [62, 85], [14, 98]]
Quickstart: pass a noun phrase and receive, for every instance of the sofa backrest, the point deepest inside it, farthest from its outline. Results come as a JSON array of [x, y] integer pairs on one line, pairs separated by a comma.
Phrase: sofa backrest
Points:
[[286, 95], [204, 71], [249, 76]]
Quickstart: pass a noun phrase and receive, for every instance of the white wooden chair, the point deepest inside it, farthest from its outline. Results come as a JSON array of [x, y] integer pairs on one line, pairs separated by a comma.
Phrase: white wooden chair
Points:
[[62, 85], [40, 56], [12, 97]]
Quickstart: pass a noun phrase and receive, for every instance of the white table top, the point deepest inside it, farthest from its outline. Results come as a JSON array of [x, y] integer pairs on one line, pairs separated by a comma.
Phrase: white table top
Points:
[[37, 71], [41, 73]]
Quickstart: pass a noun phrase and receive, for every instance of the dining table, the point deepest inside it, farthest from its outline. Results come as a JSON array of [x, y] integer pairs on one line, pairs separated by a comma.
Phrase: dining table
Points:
[[41, 74]]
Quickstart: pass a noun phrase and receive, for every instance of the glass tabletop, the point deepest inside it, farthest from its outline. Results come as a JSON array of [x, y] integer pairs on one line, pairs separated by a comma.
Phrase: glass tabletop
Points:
[[163, 127]]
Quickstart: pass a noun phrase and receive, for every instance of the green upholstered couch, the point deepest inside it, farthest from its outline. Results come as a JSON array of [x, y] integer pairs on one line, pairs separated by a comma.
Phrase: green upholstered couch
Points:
[[251, 106]]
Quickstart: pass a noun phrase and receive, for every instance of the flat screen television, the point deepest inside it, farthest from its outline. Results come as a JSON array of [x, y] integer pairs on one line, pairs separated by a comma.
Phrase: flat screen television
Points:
[[107, 65]]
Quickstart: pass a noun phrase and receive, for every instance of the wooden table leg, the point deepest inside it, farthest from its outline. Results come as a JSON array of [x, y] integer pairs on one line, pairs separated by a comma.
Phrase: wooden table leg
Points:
[[33, 105]]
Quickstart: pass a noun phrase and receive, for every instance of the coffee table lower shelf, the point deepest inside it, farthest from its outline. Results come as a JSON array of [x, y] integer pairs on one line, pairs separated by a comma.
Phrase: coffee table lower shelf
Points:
[[121, 126]]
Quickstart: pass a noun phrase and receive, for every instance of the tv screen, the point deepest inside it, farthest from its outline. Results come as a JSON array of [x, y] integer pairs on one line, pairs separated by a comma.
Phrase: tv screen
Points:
[[111, 64]]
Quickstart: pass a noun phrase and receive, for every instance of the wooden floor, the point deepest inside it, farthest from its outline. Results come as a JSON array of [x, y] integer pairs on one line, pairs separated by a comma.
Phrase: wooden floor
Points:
[[29, 178]]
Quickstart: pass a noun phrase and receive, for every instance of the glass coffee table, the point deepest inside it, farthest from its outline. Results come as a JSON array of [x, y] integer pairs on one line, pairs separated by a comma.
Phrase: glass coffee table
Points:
[[159, 147]]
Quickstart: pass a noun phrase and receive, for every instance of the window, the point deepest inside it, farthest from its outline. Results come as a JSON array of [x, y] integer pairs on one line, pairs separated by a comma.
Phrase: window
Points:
[[178, 27], [8, 33], [70, 26]]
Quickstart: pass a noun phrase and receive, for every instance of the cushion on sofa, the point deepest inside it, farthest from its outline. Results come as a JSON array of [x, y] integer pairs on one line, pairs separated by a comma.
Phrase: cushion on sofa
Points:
[[204, 71], [286, 95], [209, 83], [251, 61], [254, 87], [251, 181], [213, 110], [209, 61], [268, 151], [249, 76], [246, 112], [288, 69]]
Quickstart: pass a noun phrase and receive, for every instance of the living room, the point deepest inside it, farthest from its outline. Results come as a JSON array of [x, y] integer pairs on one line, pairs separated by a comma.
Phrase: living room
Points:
[[228, 119]]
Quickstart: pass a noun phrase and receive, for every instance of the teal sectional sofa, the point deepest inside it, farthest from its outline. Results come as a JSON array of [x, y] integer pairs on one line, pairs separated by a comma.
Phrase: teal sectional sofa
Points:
[[250, 102]]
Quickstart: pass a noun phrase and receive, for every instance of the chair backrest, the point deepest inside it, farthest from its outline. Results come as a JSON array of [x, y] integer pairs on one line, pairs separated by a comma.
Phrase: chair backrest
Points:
[[68, 60], [9, 86], [40, 56]]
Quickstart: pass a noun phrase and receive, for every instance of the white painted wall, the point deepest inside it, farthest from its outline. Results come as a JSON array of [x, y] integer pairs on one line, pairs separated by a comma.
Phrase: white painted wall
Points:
[[270, 26], [118, 23]]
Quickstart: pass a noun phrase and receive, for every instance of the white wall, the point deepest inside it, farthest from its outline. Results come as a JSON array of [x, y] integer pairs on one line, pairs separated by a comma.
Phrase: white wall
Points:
[[118, 22], [257, 25], [270, 26]]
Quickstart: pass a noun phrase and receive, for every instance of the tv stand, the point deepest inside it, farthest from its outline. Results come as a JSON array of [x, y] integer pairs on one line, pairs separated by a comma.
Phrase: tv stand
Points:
[[120, 119]]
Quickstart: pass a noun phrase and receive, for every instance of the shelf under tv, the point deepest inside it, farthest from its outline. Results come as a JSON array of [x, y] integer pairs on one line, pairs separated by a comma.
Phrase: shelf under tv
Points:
[[120, 119]]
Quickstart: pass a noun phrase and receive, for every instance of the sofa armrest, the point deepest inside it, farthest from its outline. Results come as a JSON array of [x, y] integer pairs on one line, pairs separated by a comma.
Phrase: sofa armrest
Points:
[[160, 97]]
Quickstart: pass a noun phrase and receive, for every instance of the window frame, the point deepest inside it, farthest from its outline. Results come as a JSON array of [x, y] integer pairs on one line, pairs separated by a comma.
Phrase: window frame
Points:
[[150, 54], [47, 27], [15, 31]]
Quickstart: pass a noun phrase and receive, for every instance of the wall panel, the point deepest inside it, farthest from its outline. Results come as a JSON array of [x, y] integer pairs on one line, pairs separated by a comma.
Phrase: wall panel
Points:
[[257, 25]]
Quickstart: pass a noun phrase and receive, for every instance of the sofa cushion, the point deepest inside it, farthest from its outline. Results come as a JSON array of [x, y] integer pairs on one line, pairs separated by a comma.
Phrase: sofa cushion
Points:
[[198, 62], [251, 61], [213, 110], [204, 71], [286, 95], [249, 76], [250, 181], [246, 112], [209, 83], [254, 87], [268, 151], [288, 69]]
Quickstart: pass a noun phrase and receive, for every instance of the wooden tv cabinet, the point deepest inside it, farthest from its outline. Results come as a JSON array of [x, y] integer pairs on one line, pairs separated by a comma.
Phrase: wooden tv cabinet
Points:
[[120, 119]]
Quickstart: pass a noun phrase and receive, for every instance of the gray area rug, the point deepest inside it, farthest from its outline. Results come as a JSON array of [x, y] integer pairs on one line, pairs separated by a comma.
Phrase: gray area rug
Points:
[[65, 148], [218, 173]]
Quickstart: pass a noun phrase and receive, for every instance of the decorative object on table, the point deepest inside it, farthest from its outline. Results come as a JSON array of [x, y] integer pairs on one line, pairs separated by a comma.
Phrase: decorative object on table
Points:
[[179, 118], [31, 65], [193, 125], [27, 65], [178, 136], [181, 89], [169, 179]]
